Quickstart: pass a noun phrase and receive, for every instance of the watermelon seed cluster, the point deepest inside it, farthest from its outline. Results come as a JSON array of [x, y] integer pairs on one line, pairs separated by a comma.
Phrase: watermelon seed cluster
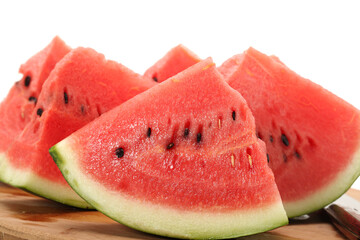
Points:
[[119, 152], [285, 141]]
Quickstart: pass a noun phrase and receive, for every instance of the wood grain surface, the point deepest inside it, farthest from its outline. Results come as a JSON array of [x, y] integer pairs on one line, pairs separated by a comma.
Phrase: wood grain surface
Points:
[[25, 216]]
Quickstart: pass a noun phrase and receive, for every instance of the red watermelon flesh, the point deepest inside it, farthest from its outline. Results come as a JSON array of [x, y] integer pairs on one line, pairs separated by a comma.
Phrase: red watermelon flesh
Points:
[[81, 87], [312, 136], [181, 159], [16, 108], [176, 60]]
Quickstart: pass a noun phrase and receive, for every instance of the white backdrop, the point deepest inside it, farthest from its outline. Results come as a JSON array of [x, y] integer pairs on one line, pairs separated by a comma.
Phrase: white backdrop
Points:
[[320, 40]]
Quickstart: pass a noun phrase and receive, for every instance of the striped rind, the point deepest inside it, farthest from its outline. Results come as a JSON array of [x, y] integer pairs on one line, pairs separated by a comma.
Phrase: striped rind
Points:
[[27, 180], [327, 194]]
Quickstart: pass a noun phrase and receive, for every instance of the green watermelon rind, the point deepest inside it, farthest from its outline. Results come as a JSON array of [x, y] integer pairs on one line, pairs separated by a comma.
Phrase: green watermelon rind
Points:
[[26, 180], [326, 195], [188, 225]]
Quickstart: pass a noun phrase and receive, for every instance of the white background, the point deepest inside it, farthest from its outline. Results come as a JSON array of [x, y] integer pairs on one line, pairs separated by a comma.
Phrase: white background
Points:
[[320, 40]]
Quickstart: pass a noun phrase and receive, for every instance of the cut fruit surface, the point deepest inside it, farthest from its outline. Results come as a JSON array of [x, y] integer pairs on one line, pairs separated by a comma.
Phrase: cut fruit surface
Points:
[[16, 108], [82, 86], [181, 160], [312, 136], [176, 60]]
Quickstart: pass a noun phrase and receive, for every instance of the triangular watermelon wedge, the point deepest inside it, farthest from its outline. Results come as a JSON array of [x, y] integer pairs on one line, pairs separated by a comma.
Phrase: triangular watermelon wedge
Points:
[[312, 136], [176, 60], [16, 108], [82, 86], [181, 160]]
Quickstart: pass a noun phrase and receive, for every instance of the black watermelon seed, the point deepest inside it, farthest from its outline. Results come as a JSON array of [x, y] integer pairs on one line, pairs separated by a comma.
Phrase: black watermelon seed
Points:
[[271, 138], [66, 98], [155, 79], [267, 157], [297, 155], [32, 99], [82, 109], [148, 133], [233, 115], [285, 140], [119, 152], [198, 137], [39, 112], [285, 157], [27, 81], [186, 132], [170, 146]]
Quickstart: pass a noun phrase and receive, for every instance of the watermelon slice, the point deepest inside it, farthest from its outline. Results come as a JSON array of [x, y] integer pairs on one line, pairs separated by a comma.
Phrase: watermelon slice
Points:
[[82, 86], [176, 60], [16, 108], [312, 136], [181, 160]]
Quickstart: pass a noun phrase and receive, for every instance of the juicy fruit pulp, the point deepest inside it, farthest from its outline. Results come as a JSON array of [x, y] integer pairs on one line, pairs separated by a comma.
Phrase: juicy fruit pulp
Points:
[[176, 60], [16, 108], [181, 160], [312, 136], [82, 86]]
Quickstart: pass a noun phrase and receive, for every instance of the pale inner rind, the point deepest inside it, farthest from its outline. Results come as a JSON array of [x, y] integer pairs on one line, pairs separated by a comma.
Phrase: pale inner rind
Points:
[[164, 220], [329, 193], [23, 178]]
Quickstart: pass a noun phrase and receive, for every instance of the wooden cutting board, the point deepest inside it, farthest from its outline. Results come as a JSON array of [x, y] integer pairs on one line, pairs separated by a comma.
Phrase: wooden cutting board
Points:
[[24, 216]]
